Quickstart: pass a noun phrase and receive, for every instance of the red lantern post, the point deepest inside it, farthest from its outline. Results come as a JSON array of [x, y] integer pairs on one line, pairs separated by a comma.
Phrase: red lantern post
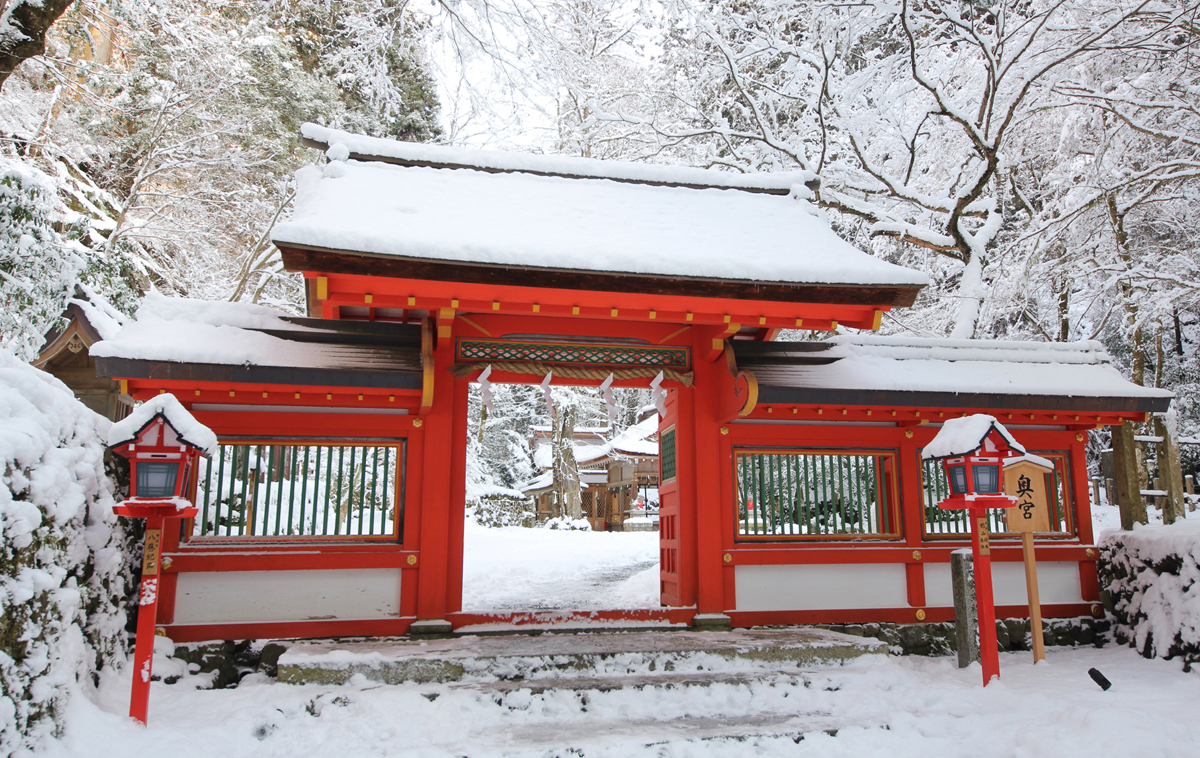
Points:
[[162, 442], [973, 449]]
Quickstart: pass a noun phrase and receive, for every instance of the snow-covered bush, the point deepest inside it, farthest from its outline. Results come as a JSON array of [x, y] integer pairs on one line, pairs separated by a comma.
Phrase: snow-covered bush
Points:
[[1153, 575], [497, 506], [568, 524], [62, 564], [38, 269]]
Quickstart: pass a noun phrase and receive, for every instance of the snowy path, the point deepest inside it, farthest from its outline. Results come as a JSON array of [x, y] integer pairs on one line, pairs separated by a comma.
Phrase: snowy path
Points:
[[517, 569], [876, 706]]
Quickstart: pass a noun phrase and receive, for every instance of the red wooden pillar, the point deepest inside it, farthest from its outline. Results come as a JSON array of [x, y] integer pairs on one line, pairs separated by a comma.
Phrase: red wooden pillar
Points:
[[458, 496], [437, 489], [712, 383]]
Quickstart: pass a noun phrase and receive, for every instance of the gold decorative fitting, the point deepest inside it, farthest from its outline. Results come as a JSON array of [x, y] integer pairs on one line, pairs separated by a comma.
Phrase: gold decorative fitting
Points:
[[574, 310], [724, 430], [232, 393], [360, 397], [920, 614], [197, 393], [908, 433], [615, 312], [417, 423], [1097, 611], [368, 299], [495, 305], [160, 632], [916, 555], [454, 303], [1090, 552], [653, 314], [1079, 437], [412, 560], [264, 395], [537, 308], [328, 395], [76, 344], [297, 396], [728, 557], [412, 300], [391, 398], [166, 561]]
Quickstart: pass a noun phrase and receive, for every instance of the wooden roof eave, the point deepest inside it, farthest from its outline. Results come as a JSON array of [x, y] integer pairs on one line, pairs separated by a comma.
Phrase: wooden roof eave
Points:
[[314, 259], [128, 368], [768, 394]]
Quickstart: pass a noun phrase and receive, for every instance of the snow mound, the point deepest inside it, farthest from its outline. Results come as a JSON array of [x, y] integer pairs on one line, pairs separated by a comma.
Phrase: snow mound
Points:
[[63, 576]]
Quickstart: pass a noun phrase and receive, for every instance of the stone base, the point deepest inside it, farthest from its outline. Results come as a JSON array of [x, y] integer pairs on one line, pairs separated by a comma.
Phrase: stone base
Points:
[[935, 639], [711, 621], [430, 627]]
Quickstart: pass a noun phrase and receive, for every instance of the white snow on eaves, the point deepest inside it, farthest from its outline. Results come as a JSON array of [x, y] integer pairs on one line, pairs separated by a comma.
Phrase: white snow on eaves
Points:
[[915, 364], [550, 222], [185, 424], [182, 330], [560, 165]]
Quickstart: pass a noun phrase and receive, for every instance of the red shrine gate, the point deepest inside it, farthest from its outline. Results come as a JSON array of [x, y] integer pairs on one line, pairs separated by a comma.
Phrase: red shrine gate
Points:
[[791, 485]]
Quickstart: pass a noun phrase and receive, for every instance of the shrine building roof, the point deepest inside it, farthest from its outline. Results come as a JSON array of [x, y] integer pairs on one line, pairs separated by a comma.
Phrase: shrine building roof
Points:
[[416, 211], [870, 370]]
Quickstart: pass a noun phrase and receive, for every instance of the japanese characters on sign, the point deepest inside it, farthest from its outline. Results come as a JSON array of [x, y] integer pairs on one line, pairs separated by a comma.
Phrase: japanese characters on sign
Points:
[[1027, 481]]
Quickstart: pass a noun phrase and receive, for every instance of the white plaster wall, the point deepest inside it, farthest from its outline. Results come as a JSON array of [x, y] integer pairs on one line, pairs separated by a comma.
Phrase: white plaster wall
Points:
[[219, 597], [1058, 582], [820, 587]]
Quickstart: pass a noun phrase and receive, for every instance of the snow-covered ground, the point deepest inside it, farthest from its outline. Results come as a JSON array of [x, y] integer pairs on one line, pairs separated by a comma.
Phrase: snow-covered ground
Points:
[[518, 569], [876, 706]]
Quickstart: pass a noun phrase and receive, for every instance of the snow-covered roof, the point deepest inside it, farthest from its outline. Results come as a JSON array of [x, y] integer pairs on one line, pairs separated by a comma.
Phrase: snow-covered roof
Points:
[[359, 147], [472, 215], [633, 441], [180, 330], [963, 436], [914, 364], [101, 315], [186, 427]]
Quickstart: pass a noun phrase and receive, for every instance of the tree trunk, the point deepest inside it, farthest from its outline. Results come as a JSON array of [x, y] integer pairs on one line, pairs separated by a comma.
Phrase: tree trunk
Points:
[[566, 470], [29, 20], [1129, 490], [1171, 472]]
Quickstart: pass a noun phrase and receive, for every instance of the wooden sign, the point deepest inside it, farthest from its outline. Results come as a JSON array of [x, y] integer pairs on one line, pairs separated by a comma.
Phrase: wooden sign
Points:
[[1025, 480]]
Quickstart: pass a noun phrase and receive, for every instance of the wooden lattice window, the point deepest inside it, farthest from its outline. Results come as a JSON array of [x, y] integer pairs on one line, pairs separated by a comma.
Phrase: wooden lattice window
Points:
[[816, 494], [666, 455], [302, 491], [939, 523]]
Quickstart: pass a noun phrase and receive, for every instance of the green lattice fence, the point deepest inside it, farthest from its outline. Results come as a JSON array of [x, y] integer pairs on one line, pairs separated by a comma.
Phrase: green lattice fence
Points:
[[806, 494], [301, 491]]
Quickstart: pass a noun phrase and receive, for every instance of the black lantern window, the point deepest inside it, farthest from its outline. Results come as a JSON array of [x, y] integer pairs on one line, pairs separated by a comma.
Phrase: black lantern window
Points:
[[958, 479], [156, 478], [987, 478]]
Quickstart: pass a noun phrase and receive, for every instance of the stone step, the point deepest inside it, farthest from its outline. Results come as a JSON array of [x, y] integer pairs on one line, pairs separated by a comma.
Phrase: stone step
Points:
[[572, 656]]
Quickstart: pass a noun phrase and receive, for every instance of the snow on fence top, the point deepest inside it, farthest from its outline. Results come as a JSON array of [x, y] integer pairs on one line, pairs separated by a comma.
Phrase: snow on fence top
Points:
[[181, 330], [914, 364], [361, 147], [577, 224], [963, 436], [186, 427]]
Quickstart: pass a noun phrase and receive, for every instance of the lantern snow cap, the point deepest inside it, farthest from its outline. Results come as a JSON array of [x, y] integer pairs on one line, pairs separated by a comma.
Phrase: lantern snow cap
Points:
[[161, 440], [973, 449]]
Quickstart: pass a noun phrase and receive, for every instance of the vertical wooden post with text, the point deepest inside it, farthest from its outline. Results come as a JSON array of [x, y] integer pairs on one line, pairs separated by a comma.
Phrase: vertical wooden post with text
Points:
[[1029, 479]]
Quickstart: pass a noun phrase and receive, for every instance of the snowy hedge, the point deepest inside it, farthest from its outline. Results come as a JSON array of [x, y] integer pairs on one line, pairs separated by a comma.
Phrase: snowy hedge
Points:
[[1152, 575], [62, 567]]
